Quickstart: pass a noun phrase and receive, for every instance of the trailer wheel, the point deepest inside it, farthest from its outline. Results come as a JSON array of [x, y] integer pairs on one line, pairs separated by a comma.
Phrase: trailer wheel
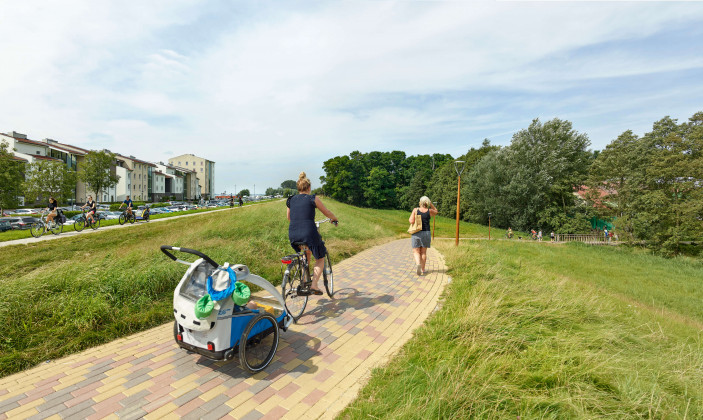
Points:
[[258, 343]]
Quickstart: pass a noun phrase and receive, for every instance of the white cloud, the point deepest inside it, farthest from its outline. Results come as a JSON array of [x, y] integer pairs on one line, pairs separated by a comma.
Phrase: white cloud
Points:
[[280, 90]]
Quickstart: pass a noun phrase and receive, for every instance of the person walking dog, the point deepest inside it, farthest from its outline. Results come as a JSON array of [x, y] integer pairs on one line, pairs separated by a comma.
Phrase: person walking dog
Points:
[[420, 241]]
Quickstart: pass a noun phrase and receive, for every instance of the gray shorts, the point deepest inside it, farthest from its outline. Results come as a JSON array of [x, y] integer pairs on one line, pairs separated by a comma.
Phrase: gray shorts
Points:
[[421, 239]]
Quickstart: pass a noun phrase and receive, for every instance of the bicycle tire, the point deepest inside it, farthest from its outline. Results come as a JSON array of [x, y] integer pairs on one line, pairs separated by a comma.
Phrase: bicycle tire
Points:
[[95, 225], [328, 276], [37, 229], [79, 225], [132, 218], [121, 220], [257, 351], [57, 228], [295, 303]]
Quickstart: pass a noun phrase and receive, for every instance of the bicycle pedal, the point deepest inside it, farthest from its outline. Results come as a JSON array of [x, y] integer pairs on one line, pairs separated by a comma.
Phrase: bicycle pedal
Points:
[[303, 291]]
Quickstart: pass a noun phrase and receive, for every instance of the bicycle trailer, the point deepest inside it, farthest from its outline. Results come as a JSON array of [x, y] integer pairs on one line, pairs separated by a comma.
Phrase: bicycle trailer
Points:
[[212, 317]]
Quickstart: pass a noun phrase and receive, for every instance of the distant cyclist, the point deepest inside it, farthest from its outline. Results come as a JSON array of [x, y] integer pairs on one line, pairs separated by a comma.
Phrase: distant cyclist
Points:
[[53, 205], [92, 208], [128, 202]]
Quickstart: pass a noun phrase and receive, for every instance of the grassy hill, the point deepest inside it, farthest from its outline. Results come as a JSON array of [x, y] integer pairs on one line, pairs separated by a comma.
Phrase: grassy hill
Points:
[[533, 330]]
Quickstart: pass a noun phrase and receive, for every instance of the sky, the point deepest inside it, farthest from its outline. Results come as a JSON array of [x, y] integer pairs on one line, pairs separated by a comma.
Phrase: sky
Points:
[[268, 89]]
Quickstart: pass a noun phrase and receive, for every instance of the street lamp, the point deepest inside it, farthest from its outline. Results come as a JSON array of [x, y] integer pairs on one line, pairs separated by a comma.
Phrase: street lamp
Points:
[[433, 219], [458, 195], [489, 226]]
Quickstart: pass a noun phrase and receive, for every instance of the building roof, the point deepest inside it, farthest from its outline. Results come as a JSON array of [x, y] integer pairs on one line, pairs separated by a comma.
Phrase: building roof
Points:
[[40, 157], [38, 143], [19, 158], [63, 148]]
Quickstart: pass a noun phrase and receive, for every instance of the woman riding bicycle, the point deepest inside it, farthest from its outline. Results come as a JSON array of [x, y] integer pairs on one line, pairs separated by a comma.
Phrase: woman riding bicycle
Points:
[[53, 205], [92, 208], [301, 215]]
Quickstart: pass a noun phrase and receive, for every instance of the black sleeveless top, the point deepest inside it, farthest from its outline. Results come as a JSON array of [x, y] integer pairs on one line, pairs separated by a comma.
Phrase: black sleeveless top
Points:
[[302, 220], [425, 219]]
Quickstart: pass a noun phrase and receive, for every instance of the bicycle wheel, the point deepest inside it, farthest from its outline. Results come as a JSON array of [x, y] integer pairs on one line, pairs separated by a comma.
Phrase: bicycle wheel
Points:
[[258, 343], [295, 303], [37, 229], [56, 228], [328, 276], [122, 219], [95, 224], [79, 225], [132, 218]]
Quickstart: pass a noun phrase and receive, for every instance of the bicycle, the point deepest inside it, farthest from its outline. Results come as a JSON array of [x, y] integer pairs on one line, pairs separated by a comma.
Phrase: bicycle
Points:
[[297, 280], [84, 220], [127, 217], [38, 229]]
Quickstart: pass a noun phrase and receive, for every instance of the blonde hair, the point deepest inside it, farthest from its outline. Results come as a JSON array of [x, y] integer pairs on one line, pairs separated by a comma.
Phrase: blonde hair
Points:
[[303, 182], [425, 202]]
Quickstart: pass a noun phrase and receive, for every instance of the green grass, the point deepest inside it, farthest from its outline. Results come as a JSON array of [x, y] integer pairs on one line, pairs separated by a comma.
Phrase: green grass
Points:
[[533, 330], [60, 297]]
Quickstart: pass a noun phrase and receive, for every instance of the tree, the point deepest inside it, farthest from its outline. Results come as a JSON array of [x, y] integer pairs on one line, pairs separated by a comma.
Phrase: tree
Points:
[[49, 178], [244, 193], [95, 171], [11, 177], [270, 191], [531, 182], [290, 184], [380, 190]]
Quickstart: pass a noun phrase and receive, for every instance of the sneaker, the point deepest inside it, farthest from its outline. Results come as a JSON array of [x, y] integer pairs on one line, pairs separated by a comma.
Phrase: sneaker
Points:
[[418, 269]]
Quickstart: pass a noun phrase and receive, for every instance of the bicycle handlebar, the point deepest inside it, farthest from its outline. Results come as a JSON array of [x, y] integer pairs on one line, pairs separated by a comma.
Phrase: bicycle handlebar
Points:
[[165, 248], [319, 222]]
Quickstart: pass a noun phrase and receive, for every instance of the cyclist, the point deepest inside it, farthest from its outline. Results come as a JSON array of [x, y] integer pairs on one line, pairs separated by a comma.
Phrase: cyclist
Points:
[[128, 202], [53, 205], [92, 208], [510, 233], [301, 215]]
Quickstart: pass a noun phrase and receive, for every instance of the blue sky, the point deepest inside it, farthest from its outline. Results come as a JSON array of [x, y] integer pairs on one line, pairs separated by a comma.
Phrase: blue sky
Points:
[[267, 89]]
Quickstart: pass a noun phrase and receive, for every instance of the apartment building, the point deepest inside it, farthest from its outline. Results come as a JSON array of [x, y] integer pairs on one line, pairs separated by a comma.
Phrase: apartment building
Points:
[[141, 175], [204, 169], [173, 181], [191, 188]]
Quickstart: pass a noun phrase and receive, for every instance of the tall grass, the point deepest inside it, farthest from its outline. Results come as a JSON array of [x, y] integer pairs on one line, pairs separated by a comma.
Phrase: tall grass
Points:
[[540, 331]]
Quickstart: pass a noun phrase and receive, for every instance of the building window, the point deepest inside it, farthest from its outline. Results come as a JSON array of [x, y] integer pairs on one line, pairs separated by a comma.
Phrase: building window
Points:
[[201, 169], [201, 163]]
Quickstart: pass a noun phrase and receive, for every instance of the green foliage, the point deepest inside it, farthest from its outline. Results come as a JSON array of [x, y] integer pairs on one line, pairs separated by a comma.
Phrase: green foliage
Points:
[[47, 178], [379, 179], [96, 171], [289, 184], [11, 177], [244, 193], [530, 183], [653, 183]]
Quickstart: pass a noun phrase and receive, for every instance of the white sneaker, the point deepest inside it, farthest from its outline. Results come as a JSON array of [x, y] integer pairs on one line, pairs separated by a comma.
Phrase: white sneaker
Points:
[[418, 269]]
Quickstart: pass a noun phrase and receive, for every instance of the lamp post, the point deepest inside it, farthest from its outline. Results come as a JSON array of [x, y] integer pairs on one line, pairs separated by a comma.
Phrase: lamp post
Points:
[[433, 219], [458, 195], [489, 226]]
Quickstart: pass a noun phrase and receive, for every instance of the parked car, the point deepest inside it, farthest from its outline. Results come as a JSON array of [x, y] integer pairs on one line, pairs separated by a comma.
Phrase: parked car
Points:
[[103, 207], [21, 223], [22, 212], [110, 215], [5, 225]]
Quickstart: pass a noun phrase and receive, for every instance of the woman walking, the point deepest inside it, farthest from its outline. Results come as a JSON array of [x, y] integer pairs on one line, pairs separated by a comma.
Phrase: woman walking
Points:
[[420, 241], [301, 214]]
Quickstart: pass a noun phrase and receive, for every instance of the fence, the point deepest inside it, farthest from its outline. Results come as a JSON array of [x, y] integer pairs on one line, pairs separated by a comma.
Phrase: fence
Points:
[[586, 238]]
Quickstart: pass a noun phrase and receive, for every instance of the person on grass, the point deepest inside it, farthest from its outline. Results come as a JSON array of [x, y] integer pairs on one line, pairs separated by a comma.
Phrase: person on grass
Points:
[[302, 228], [420, 241]]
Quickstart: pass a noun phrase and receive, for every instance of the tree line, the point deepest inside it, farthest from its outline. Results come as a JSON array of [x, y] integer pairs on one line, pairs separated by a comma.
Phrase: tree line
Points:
[[649, 187]]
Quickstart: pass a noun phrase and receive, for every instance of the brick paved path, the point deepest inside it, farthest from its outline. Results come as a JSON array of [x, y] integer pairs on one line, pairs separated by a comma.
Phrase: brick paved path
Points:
[[320, 365]]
